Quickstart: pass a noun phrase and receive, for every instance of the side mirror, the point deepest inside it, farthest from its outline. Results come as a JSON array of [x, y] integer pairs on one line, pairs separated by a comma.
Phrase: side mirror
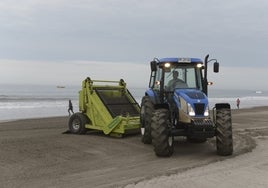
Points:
[[216, 67], [153, 66]]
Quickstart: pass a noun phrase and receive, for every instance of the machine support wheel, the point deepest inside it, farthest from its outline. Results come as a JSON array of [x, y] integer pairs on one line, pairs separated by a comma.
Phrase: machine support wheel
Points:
[[77, 123], [145, 117], [224, 138], [161, 139]]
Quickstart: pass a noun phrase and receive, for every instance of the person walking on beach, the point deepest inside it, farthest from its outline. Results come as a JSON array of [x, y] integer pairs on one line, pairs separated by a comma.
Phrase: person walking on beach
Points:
[[70, 108], [237, 103]]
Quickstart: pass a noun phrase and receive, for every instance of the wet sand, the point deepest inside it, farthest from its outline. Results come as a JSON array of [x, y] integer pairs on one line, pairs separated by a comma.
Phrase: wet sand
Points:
[[35, 153], [247, 169]]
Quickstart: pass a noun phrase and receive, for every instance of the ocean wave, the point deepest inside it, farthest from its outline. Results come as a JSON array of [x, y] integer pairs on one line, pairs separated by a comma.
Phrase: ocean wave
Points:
[[36, 104], [246, 98], [245, 102], [56, 104], [4, 98]]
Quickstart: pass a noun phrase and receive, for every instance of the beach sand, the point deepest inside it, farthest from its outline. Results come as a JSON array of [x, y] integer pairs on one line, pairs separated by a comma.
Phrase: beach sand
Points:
[[35, 153]]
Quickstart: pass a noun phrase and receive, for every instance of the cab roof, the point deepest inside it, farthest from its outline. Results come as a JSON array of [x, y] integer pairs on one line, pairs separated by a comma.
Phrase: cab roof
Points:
[[180, 60]]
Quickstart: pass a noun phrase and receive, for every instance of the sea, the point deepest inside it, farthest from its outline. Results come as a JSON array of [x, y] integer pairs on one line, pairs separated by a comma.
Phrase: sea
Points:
[[32, 101]]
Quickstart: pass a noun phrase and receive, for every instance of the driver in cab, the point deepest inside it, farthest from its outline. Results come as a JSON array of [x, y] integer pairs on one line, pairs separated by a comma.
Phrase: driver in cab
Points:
[[175, 82]]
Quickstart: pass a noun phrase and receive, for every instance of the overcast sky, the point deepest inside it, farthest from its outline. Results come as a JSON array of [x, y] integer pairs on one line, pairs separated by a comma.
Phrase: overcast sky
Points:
[[63, 41]]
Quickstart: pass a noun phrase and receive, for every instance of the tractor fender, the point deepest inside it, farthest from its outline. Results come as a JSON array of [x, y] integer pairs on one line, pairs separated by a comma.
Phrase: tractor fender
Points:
[[153, 96], [219, 106]]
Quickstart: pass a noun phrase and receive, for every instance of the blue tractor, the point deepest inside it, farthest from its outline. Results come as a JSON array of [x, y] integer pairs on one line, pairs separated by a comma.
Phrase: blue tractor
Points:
[[176, 104]]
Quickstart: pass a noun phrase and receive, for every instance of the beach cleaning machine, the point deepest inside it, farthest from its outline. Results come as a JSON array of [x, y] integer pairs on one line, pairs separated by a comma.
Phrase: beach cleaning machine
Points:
[[106, 106]]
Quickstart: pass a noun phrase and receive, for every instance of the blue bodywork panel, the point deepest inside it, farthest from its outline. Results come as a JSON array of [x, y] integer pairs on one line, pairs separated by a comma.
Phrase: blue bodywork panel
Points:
[[192, 96], [153, 96]]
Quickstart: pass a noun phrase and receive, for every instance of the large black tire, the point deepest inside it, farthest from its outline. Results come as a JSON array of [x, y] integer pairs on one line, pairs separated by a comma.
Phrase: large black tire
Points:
[[77, 123], [224, 136], [162, 141], [147, 109]]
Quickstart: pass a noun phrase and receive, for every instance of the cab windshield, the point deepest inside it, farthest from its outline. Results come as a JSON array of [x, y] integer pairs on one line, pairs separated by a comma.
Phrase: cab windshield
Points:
[[180, 77]]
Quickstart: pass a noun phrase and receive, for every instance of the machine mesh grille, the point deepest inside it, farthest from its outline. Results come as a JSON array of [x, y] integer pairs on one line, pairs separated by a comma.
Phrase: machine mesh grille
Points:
[[118, 104]]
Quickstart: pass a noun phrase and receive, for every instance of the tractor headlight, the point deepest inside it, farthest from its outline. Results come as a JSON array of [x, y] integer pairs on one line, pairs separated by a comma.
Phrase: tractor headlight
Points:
[[190, 110], [167, 65], [206, 113], [199, 65]]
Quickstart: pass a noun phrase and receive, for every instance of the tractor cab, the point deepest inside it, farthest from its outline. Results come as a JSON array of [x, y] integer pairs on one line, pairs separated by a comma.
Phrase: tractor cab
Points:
[[169, 74], [173, 76]]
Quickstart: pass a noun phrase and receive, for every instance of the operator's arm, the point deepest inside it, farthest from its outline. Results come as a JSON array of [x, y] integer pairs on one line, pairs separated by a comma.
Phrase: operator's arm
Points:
[[180, 84], [169, 86]]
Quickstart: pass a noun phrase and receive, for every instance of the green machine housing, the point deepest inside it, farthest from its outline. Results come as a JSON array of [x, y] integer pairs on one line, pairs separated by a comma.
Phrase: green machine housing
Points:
[[107, 106]]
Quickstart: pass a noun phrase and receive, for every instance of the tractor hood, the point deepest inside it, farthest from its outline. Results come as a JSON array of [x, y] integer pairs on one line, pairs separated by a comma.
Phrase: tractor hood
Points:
[[194, 102], [191, 94]]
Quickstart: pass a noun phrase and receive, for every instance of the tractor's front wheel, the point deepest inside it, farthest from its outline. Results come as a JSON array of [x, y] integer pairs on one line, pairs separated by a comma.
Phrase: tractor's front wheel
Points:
[[145, 118], [77, 123], [224, 138], [161, 139]]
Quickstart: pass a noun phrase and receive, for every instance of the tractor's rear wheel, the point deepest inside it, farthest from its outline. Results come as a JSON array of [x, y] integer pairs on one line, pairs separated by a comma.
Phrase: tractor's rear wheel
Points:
[[77, 123], [145, 118], [161, 139], [224, 137]]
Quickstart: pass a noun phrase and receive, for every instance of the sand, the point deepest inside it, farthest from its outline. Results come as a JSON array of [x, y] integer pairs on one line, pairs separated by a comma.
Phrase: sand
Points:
[[35, 153]]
